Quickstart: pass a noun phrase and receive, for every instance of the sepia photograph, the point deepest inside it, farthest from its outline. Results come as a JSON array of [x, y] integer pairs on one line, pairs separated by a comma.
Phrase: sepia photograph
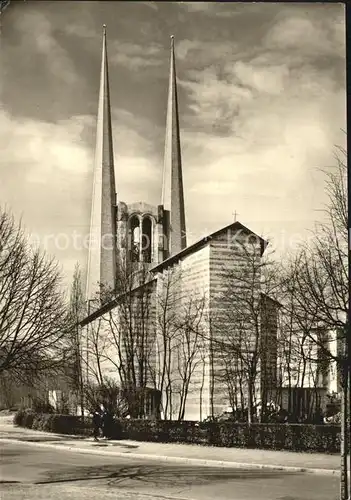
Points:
[[174, 250]]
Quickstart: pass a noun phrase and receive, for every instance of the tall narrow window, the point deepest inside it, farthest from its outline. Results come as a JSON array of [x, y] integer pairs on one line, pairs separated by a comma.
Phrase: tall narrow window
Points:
[[134, 228], [146, 240]]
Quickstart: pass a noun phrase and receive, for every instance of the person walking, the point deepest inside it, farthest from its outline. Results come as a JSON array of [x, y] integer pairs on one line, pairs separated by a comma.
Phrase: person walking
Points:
[[107, 423], [96, 424]]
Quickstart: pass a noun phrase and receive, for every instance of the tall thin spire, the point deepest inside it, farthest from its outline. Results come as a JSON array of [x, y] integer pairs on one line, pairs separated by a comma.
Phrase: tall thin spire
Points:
[[172, 192], [102, 248]]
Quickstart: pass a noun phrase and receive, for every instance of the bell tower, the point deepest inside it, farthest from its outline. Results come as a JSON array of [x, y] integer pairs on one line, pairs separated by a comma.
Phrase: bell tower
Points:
[[151, 234], [137, 233], [172, 211], [102, 245]]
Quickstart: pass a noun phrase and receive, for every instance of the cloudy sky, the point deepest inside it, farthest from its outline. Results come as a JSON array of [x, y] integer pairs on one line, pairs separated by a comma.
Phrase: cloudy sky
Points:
[[262, 103]]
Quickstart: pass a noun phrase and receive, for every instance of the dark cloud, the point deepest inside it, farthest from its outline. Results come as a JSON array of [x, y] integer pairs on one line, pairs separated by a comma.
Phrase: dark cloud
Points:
[[262, 102]]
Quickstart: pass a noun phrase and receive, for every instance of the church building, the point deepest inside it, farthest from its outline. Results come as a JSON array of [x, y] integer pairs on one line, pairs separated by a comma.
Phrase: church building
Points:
[[168, 315]]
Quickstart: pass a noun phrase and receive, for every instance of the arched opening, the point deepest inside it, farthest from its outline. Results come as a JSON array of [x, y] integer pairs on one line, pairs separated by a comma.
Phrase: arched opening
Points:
[[146, 240], [134, 231]]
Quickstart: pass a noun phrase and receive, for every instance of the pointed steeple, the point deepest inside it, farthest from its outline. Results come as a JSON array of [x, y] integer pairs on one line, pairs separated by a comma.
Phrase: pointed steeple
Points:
[[102, 247], [172, 192]]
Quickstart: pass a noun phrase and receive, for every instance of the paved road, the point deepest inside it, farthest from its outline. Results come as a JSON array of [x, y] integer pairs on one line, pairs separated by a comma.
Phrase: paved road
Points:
[[29, 472]]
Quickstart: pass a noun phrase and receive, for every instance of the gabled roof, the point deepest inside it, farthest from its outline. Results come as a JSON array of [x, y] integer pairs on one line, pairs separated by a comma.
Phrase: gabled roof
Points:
[[279, 304], [108, 306], [204, 241]]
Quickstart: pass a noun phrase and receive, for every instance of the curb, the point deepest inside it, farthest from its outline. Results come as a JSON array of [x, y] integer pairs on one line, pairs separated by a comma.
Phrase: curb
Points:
[[164, 458]]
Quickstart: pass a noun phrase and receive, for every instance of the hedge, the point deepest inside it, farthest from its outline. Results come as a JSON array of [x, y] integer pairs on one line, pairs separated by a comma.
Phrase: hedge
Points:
[[52, 422], [292, 437]]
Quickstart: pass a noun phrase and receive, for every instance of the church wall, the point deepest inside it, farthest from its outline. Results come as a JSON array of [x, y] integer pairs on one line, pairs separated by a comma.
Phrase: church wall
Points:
[[111, 337], [122, 234], [227, 260], [196, 285], [205, 273], [140, 311], [166, 312], [202, 274], [302, 371], [100, 348], [189, 286], [269, 347]]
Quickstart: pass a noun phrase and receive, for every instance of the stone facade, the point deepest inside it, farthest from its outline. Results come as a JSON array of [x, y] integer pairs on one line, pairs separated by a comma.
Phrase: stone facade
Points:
[[140, 233], [172, 190], [102, 244], [269, 348], [203, 274], [189, 330]]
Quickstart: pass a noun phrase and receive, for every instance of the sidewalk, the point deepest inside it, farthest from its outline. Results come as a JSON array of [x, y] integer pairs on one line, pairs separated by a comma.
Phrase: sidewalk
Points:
[[191, 454]]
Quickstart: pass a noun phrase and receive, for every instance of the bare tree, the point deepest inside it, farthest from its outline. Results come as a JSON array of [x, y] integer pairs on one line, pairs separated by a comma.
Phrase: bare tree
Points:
[[303, 366], [318, 280], [33, 312], [74, 337], [96, 351], [244, 346], [179, 348], [167, 330], [109, 395], [189, 347], [124, 339]]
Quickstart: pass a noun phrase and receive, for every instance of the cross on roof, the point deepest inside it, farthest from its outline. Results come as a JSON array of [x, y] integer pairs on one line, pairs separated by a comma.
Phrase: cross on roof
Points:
[[235, 214]]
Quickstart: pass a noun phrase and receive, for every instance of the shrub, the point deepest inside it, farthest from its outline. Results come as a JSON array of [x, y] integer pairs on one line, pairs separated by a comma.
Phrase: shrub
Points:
[[61, 424], [51, 422], [24, 418], [63, 406], [109, 395], [42, 406], [293, 437]]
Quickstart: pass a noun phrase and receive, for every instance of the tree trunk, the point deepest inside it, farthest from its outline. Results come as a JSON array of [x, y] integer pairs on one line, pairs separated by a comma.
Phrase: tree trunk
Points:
[[250, 402], [211, 372], [202, 388]]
